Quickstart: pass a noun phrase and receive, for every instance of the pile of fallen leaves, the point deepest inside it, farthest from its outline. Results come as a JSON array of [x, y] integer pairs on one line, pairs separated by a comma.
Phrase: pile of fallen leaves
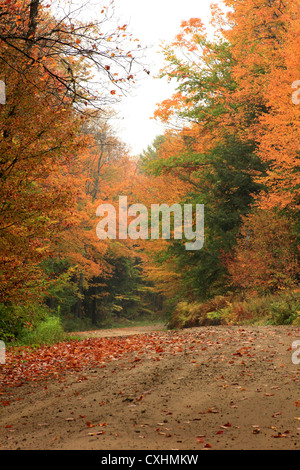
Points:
[[24, 364], [27, 364]]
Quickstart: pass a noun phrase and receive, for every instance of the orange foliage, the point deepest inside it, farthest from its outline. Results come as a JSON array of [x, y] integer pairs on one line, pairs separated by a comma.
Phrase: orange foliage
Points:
[[38, 141], [265, 38], [264, 259]]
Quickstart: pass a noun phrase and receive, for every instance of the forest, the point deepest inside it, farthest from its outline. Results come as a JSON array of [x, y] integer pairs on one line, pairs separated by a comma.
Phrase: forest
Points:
[[232, 144]]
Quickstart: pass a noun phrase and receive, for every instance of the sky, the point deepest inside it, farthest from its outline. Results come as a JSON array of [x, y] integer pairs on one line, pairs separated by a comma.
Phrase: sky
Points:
[[152, 22]]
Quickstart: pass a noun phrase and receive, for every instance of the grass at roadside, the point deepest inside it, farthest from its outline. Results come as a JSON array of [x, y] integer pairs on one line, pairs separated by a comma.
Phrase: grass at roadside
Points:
[[51, 330], [272, 309]]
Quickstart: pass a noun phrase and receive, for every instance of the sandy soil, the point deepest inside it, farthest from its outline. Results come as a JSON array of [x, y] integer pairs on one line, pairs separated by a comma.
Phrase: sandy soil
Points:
[[225, 388]]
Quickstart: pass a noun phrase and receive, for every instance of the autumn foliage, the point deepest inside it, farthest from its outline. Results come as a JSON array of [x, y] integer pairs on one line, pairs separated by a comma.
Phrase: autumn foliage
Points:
[[232, 144], [59, 159], [264, 259], [235, 146]]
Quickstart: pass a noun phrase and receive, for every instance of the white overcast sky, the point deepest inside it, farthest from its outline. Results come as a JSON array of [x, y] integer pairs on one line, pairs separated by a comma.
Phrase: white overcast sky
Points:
[[152, 21]]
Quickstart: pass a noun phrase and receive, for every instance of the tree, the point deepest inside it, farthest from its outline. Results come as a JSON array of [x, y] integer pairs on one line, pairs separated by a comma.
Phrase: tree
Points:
[[213, 162], [34, 34], [235, 138], [264, 37], [265, 258], [45, 61], [37, 146]]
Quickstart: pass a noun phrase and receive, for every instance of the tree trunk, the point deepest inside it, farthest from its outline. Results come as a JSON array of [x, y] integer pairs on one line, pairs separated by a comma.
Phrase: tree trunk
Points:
[[78, 306], [34, 10]]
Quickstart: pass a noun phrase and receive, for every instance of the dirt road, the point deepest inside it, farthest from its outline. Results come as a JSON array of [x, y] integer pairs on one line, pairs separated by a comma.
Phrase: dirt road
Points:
[[120, 332], [206, 388]]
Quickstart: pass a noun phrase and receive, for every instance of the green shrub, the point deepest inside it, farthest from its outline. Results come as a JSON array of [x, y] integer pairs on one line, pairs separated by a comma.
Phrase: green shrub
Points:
[[14, 319], [285, 311], [49, 331], [271, 309], [189, 315]]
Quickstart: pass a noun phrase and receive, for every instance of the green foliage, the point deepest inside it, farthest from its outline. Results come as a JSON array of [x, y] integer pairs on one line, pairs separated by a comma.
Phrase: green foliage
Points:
[[285, 311], [49, 331], [63, 290], [124, 295], [151, 154], [195, 314], [14, 319], [279, 309], [227, 188], [224, 177]]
